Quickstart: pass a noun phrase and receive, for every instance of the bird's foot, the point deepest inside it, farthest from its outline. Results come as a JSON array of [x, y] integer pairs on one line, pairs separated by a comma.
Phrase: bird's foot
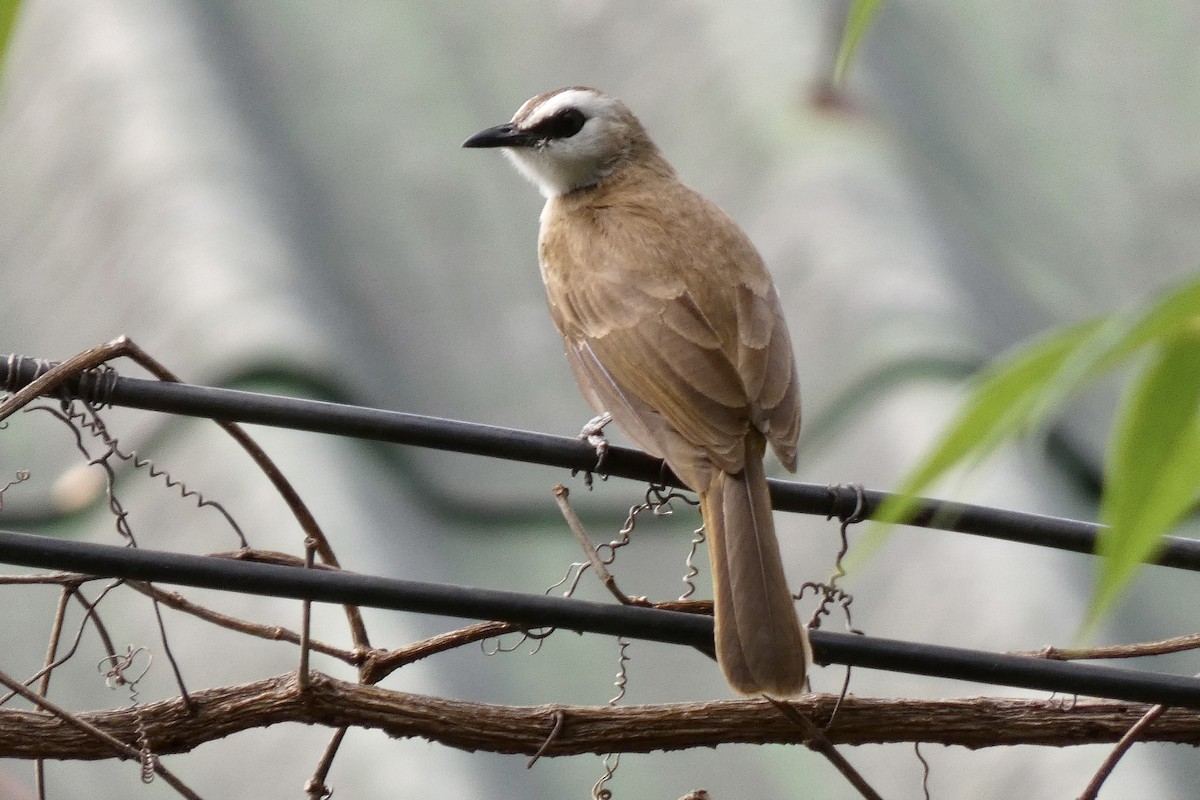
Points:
[[593, 434]]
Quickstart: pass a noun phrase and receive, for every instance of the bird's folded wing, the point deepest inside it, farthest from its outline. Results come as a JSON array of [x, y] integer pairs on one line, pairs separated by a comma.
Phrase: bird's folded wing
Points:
[[661, 366], [686, 330]]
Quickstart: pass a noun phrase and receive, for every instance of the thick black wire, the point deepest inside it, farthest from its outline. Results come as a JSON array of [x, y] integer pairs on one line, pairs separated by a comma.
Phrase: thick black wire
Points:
[[539, 610], [111, 561], [564, 452]]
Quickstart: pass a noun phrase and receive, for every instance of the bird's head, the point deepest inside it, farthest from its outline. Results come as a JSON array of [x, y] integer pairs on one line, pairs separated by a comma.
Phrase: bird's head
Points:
[[568, 139]]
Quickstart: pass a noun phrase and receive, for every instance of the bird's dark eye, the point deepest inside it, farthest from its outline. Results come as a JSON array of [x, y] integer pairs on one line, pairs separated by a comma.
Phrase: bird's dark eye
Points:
[[562, 125]]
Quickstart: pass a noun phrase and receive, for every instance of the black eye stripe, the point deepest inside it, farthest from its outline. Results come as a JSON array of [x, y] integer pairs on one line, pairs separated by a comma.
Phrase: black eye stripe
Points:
[[563, 125]]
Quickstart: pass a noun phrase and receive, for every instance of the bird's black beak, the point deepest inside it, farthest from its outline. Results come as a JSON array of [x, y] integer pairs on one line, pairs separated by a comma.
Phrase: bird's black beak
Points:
[[505, 135]]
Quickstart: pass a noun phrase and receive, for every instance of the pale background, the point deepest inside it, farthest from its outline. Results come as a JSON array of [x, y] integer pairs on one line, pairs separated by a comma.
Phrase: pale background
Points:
[[272, 196]]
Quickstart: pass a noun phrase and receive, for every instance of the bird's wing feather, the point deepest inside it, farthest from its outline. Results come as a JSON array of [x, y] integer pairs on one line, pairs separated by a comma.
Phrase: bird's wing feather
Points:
[[688, 332]]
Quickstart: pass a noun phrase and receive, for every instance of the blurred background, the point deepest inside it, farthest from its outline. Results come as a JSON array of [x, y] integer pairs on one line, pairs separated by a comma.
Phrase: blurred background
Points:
[[271, 196]]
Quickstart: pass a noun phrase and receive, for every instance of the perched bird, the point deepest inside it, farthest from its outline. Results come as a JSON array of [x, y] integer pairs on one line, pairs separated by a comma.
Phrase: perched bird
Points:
[[673, 326]]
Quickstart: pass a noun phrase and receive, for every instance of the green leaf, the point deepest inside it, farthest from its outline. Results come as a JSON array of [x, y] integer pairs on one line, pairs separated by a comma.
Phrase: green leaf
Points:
[[1152, 476], [8, 18], [1018, 393], [1122, 336], [1006, 402], [858, 20]]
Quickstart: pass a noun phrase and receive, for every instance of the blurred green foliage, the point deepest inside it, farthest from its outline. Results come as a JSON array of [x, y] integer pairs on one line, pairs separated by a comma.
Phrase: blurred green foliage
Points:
[[858, 20], [1152, 467], [8, 17]]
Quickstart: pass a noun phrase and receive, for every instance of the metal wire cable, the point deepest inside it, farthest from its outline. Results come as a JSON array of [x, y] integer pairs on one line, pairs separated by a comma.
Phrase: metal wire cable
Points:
[[652, 624], [539, 610], [559, 451]]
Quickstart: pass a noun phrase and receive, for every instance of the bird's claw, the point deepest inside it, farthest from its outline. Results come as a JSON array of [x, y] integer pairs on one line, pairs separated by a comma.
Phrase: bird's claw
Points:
[[593, 434]]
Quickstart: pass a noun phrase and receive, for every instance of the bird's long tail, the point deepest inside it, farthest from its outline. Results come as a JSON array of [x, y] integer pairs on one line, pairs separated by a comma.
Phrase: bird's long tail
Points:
[[761, 645]]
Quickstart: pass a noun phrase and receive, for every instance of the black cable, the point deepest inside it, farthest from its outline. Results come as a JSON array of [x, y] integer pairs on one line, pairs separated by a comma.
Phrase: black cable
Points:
[[564, 452], [331, 586], [560, 451]]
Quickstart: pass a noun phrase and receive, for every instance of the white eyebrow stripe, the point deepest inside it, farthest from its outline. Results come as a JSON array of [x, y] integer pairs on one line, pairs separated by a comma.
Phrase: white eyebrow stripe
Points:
[[582, 99]]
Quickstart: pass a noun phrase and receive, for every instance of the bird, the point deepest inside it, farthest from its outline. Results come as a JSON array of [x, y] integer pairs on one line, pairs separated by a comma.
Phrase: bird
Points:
[[673, 326]]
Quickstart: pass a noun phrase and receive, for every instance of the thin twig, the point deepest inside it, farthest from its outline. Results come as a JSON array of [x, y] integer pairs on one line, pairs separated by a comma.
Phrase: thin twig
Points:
[[815, 740], [560, 717], [62, 659], [121, 749], [180, 603], [924, 769], [61, 373], [166, 645], [576, 525], [60, 614], [378, 664], [48, 579], [316, 788], [310, 546], [271, 632], [308, 523], [1174, 644], [90, 614], [1122, 747]]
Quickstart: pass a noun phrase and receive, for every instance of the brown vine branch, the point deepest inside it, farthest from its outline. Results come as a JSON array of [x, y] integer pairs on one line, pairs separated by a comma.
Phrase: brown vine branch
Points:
[[275, 633], [123, 346], [220, 712], [589, 550], [381, 663], [374, 664], [378, 664], [109, 744], [1135, 734], [816, 741], [1175, 644], [178, 602]]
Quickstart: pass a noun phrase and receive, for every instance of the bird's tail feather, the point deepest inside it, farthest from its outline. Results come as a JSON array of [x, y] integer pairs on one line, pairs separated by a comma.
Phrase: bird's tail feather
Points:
[[761, 645]]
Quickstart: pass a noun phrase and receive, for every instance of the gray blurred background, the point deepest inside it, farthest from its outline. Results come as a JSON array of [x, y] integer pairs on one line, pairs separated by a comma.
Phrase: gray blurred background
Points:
[[271, 196]]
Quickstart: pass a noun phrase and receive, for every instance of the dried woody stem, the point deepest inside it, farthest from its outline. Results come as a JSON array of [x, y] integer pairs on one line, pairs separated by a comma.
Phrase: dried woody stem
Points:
[[1137, 731], [56, 628], [816, 741], [111, 745], [374, 665], [184, 723], [812, 736], [381, 663], [314, 541], [220, 712], [1134, 734], [274, 633], [125, 347], [561, 494], [1175, 644], [178, 602], [315, 787]]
